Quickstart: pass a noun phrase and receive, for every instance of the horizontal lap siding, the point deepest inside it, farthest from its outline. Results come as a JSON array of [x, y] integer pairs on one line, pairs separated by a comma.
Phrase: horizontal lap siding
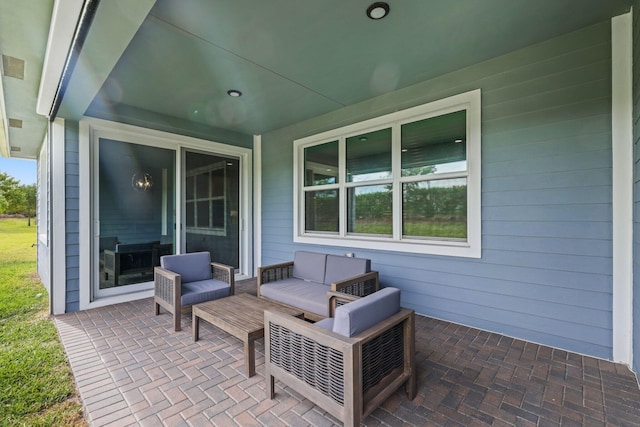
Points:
[[72, 213], [545, 271]]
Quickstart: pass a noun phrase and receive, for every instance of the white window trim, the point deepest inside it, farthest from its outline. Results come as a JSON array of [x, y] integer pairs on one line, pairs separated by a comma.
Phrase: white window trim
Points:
[[91, 128], [471, 101]]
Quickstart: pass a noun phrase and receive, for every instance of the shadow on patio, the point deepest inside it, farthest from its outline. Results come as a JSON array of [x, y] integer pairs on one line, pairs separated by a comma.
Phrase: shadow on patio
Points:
[[132, 369]]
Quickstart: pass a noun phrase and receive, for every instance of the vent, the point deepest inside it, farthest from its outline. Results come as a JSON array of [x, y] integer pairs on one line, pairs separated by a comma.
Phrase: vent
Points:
[[13, 67], [15, 148], [15, 123]]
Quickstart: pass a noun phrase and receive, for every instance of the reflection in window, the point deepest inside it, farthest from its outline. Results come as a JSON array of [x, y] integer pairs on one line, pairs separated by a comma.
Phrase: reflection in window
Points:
[[435, 145], [321, 164], [435, 209], [370, 210], [369, 156], [407, 182], [322, 211]]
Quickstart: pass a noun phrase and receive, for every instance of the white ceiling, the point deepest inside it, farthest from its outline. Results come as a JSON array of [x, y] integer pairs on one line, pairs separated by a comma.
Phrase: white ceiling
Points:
[[292, 60]]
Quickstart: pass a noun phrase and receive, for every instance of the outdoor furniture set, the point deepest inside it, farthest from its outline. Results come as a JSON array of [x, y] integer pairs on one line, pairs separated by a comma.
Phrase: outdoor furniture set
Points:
[[360, 349]]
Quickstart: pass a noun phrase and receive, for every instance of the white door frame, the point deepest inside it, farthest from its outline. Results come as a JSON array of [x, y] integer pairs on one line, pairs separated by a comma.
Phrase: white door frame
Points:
[[90, 130]]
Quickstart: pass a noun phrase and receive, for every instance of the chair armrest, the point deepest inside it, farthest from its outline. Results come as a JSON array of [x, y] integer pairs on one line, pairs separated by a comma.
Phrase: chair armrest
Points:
[[360, 285], [224, 273], [274, 272], [167, 286], [336, 299], [305, 329]]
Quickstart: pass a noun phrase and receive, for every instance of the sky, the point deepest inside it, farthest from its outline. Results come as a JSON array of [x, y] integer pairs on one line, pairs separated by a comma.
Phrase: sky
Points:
[[20, 169]]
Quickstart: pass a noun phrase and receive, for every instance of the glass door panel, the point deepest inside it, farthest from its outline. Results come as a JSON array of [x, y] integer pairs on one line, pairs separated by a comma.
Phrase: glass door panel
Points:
[[135, 213], [211, 200]]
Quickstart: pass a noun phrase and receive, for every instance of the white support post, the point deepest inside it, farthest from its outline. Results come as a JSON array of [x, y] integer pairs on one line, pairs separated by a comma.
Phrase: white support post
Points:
[[622, 171]]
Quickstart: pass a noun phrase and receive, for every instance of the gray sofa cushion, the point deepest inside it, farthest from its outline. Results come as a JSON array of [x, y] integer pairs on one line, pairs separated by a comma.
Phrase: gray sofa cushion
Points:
[[342, 267], [309, 266], [191, 267], [203, 290], [307, 296], [325, 323], [357, 316]]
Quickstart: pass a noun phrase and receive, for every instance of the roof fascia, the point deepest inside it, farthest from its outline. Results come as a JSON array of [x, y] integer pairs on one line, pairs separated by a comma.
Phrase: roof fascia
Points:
[[64, 21]]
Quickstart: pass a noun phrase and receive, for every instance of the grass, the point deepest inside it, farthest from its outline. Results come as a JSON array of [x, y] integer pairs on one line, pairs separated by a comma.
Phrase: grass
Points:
[[36, 386]]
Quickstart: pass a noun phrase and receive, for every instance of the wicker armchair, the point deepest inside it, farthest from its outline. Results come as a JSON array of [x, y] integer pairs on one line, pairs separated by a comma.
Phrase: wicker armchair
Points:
[[348, 376], [187, 279]]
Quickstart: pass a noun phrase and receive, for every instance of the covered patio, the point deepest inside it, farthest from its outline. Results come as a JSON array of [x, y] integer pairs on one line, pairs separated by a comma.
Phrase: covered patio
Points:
[[132, 369]]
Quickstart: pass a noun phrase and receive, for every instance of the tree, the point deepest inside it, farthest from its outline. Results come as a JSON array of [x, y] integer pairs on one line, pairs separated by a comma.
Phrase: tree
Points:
[[8, 186], [16, 198]]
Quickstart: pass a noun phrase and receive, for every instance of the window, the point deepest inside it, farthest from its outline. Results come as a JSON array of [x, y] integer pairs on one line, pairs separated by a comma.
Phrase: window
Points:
[[408, 181], [205, 197]]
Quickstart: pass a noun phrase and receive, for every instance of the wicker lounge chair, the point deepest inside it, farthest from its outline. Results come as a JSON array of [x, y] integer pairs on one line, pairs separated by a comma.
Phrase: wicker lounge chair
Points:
[[347, 365], [187, 279]]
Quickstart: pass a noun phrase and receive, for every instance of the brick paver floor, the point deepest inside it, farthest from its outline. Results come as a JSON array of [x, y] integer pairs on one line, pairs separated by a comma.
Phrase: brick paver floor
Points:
[[131, 369]]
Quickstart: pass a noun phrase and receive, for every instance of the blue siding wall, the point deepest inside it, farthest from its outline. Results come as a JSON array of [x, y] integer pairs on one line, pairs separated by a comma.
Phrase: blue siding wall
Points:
[[72, 209], [546, 269], [636, 186]]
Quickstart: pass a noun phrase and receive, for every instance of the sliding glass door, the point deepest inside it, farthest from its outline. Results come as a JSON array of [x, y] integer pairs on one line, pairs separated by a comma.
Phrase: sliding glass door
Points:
[[212, 206], [135, 212]]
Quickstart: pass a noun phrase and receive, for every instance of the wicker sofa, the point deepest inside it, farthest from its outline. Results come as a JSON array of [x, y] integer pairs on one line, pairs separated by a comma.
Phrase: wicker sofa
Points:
[[347, 365], [304, 282]]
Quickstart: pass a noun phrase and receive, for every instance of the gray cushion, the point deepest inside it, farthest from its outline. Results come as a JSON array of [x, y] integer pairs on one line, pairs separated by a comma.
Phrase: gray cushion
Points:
[[359, 315], [309, 266], [342, 267], [203, 290], [191, 267], [307, 296], [325, 323]]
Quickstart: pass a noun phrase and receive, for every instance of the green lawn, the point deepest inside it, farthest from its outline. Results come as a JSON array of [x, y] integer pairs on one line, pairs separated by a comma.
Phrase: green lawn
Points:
[[36, 387]]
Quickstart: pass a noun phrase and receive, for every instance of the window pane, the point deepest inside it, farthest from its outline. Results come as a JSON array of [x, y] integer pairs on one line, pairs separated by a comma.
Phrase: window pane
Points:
[[202, 214], [435, 145], [321, 164], [202, 185], [321, 211], [369, 156], [435, 209], [369, 210]]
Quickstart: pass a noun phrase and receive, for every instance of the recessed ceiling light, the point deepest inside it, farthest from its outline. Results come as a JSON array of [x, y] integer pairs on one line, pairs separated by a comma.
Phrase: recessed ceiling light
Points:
[[363, 138], [458, 141], [378, 10], [234, 93]]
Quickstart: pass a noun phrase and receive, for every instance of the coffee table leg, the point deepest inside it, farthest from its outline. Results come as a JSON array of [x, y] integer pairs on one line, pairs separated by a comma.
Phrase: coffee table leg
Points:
[[250, 357], [196, 327]]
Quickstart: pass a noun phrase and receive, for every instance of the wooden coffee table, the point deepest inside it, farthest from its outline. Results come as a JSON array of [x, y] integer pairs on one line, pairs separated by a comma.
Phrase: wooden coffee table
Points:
[[242, 316]]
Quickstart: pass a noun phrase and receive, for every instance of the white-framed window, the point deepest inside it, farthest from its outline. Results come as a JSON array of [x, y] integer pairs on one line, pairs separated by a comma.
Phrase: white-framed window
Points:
[[408, 181], [206, 201]]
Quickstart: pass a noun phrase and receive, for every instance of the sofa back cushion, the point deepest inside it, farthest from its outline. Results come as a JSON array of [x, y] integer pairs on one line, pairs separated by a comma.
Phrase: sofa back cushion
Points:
[[309, 266], [352, 318], [342, 267], [191, 267]]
